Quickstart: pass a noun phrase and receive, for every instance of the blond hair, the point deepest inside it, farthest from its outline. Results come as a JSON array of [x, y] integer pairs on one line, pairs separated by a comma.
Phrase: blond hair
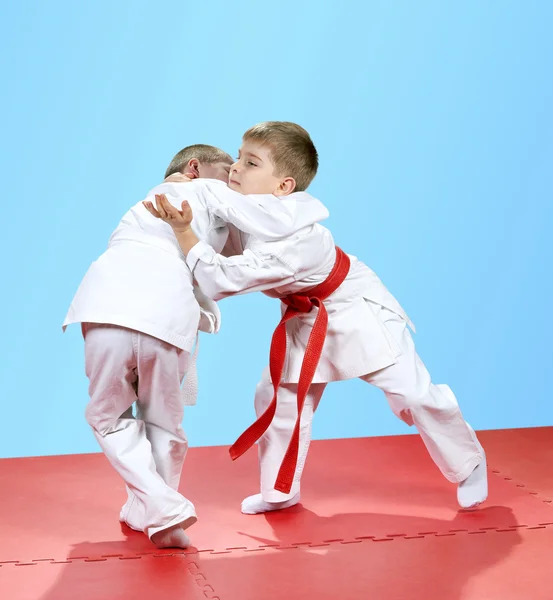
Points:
[[292, 150], [201, 152]]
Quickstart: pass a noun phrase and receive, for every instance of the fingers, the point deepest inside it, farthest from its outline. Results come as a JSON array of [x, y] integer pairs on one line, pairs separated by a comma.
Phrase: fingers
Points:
[[150, 208], [170, 210], [167, 212], [160, 206], [177, 177], [165, 208], [180, 178], [186, 212]]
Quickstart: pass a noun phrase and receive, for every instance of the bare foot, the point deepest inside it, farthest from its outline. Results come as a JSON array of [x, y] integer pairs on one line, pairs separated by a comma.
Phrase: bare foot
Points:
[[172, 537]]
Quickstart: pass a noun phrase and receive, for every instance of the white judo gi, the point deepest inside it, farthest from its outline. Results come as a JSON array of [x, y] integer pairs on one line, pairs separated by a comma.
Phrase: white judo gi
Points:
[[367, 337], [140, 317]]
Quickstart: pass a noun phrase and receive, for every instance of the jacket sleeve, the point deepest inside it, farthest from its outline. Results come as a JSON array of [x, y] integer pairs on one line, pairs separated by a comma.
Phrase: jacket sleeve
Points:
[[252, 271], [261, 215]]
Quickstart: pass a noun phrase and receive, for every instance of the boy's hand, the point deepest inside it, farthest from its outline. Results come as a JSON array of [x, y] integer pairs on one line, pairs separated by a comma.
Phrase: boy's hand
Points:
[[179, 220], [179, 178]]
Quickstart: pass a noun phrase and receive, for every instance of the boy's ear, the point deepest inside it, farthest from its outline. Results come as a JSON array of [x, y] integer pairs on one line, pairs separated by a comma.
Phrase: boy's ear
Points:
[[287, 186], [193, 167]]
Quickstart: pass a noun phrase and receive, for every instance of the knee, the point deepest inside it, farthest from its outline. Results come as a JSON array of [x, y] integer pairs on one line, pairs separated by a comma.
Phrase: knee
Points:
[[104, 420], [181, 436], [437, 400], [99, 421], [180, 444]]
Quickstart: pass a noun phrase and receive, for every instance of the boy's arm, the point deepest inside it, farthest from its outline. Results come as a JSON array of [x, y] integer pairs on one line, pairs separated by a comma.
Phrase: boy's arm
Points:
[[265, 216], [218, 276]]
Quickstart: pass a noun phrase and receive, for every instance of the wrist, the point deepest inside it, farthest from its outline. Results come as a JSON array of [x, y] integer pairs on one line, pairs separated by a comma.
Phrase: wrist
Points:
[[187, 239], [182, 230]]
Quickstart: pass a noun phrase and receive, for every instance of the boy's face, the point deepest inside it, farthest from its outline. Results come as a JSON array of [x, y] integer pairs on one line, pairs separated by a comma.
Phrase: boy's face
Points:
[[218, 170], [253, 172]]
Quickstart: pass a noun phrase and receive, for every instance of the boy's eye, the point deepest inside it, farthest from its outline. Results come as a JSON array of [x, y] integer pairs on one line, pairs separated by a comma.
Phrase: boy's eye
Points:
[[251, 163]]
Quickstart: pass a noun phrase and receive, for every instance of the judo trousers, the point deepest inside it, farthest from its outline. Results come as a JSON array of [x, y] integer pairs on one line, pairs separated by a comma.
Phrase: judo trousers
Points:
[[412, 396], [126, 367]]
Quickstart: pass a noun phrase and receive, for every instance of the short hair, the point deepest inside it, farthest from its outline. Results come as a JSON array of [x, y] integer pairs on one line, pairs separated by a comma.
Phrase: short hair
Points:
[[292, 150], [202, 152]]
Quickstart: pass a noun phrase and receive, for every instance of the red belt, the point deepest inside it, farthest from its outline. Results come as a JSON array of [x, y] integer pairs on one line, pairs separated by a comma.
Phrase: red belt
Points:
[[301, 302]]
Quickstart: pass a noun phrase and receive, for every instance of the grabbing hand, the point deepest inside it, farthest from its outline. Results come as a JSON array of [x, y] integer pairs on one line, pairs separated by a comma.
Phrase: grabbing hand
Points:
[[179, 220], [179, 178]]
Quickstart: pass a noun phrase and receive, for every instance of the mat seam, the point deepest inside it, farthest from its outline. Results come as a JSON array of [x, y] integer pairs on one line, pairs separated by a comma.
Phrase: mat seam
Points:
[[281, 546], [195, 571], [516, 482], [329, 543]]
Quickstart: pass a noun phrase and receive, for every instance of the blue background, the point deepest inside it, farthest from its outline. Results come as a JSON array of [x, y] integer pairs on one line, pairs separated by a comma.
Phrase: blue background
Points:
[[433, 123]]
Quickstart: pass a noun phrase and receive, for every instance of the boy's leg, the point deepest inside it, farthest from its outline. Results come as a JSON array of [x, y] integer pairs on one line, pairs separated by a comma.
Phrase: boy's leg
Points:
[[160, 405], [434, 410], [274, 443], [164, 432], [113, 360], [169, 446]]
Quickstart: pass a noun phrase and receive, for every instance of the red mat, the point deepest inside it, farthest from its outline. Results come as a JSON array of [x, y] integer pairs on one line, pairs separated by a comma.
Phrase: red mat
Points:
[[383, 503], [524, 456], [512, 565], [504, 565], [111, 579]]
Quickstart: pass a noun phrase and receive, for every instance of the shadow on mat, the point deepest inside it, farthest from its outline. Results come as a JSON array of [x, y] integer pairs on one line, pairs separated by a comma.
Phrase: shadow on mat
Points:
[[410, 568]]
